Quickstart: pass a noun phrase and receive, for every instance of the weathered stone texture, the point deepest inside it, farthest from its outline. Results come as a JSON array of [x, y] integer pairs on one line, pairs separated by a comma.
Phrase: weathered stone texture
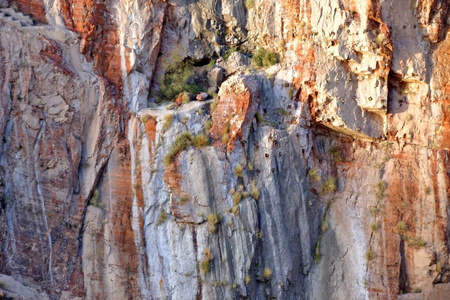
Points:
[[329, 170]]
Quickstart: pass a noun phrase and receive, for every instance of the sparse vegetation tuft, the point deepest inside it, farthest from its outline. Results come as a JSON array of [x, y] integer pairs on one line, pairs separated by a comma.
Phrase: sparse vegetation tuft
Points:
[[255, 191], [161, 218], [334, 152], [201, 140], [329, 186], [205, 264], [238, 170], [145, 118], [416, 242], [185, 98], [370, 254], [439, 267], [208, 125], [381, 188], [168, 119], [325, 225], [229, 52], [95, 200], [214, 104], [402, 227], [249, 4], [313, 175], [267, 273], [259, 117], [317, 255], [225, 133]]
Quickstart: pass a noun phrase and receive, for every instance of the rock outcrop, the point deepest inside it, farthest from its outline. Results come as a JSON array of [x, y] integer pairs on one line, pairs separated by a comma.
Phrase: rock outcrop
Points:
[[323, 174]]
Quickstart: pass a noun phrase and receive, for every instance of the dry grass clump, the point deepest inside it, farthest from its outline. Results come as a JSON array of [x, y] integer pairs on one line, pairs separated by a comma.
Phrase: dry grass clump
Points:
[[267, 273], [313, 175], [329, 186], [213, 220], [205, 264]]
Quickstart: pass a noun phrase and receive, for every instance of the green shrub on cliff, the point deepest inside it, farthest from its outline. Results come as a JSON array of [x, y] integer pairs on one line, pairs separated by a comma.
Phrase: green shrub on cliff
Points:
[[180, 78], [182, 142], [264, 58]]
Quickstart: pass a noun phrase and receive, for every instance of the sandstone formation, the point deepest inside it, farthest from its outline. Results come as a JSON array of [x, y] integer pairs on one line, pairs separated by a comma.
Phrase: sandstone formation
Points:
[[323, 173]]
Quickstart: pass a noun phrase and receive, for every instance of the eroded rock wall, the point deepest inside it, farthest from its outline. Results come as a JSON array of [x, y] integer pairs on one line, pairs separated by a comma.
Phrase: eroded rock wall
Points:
[[326, 176]]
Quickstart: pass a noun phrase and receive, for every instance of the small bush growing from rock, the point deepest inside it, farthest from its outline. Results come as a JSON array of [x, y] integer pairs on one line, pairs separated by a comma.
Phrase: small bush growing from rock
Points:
[[237, 198], [213, 220], [247, 279], [329, 186], [235, 210], [180, 78], [264, 58], [238, 170], [255, 192], [201, 140], [182, 142]]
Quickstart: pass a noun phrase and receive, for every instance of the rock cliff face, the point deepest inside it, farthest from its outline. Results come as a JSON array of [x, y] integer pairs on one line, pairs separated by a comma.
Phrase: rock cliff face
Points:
[[325, 175]]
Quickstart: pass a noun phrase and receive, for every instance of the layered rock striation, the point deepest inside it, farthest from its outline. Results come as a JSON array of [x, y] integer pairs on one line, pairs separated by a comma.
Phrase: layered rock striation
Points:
[[317, 171]]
